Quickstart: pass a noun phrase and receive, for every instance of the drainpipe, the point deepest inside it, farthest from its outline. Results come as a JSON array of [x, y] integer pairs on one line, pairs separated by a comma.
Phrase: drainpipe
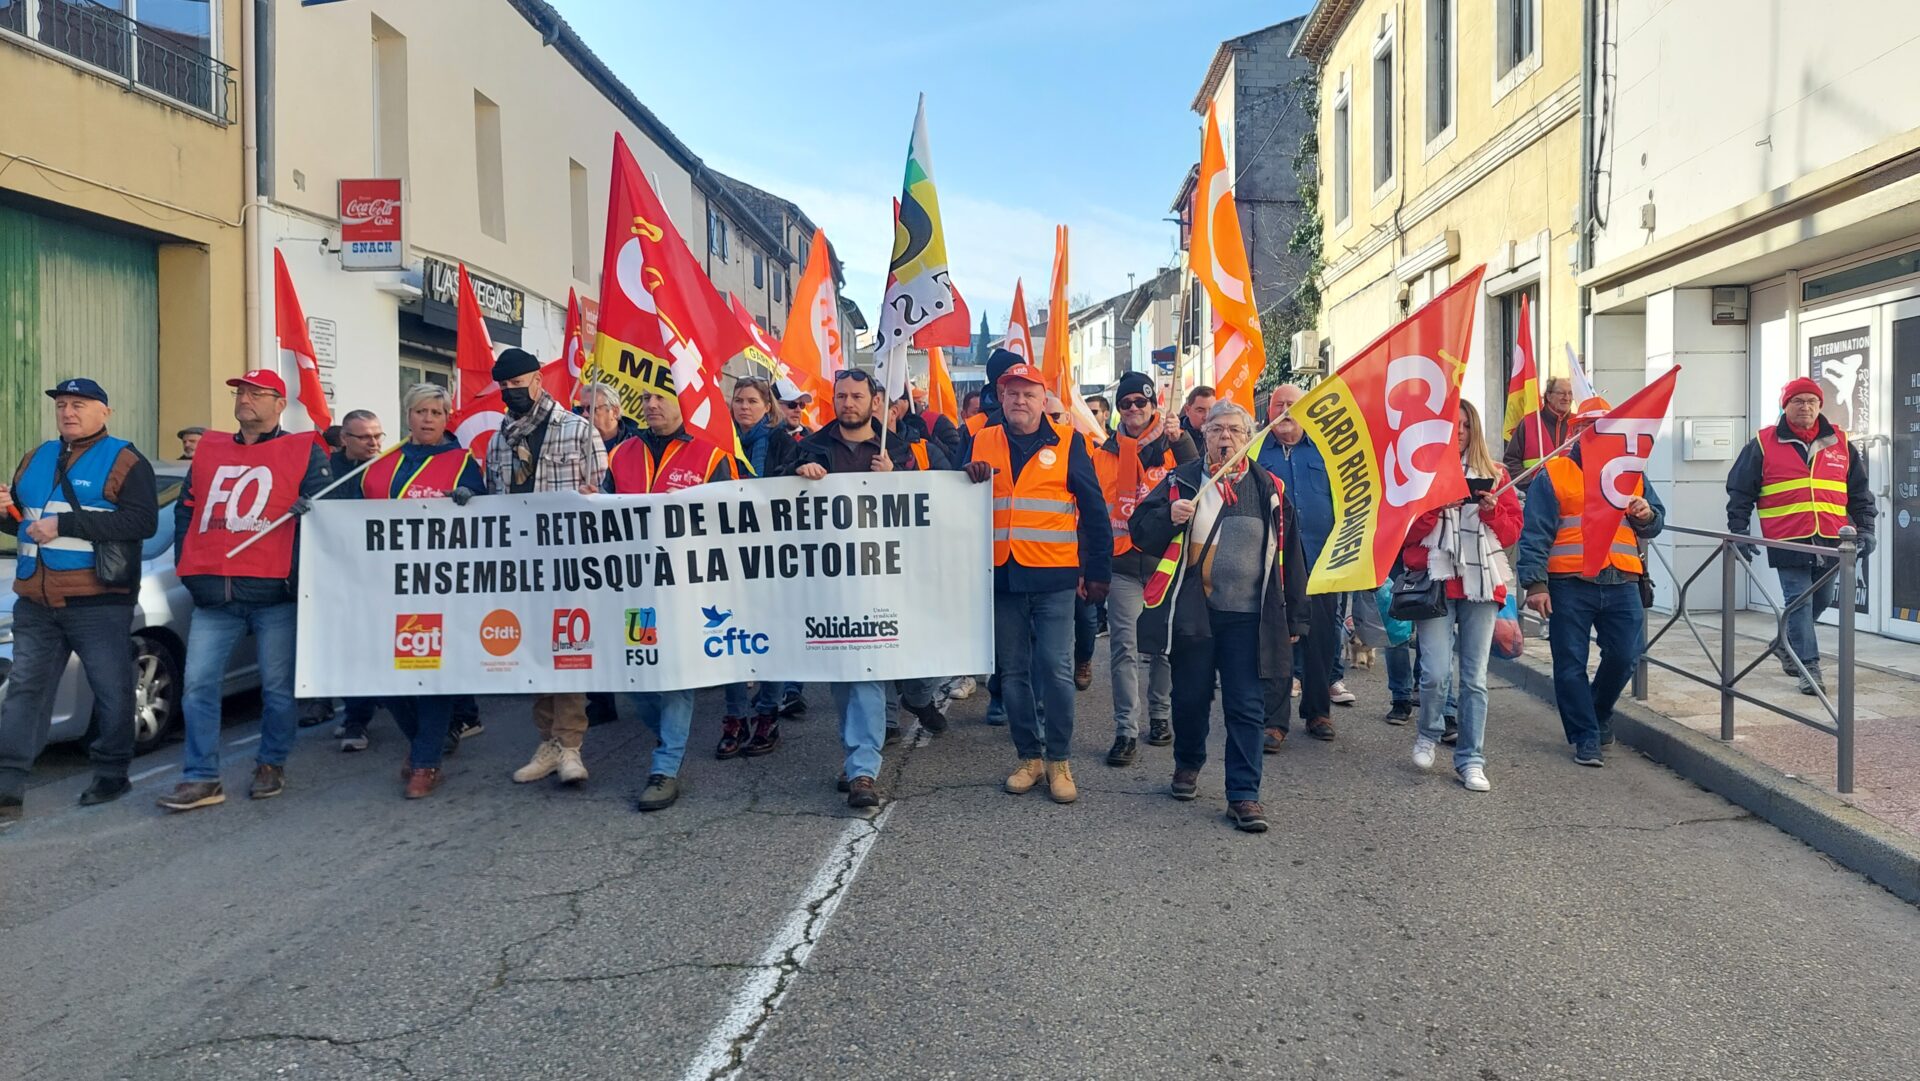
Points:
[[250, 167], [1585, 230]]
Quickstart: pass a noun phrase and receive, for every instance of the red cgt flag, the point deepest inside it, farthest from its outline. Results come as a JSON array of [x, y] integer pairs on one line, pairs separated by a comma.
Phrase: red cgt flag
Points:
[[662, 324], [1613, 465], [473, 346], [562, 377], [296, 347], [1387, 424]]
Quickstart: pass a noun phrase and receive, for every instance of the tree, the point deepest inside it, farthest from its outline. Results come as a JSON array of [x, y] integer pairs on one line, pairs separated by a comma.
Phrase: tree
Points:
[[980, 341]]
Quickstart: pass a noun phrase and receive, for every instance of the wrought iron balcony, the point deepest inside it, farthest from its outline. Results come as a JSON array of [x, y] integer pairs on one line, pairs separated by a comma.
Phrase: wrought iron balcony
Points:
[[141, 54]]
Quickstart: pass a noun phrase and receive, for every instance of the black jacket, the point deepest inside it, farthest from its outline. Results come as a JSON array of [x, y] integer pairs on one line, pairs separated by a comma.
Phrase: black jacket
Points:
[[1283, 608], [339, 466], [1138, 563], [829, 450], [212, 590], [783, 454], [943, 434], [1743, 491]]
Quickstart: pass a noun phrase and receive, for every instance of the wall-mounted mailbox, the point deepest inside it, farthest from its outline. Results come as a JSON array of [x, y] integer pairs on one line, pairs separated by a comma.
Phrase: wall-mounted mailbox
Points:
[[1709, 439]]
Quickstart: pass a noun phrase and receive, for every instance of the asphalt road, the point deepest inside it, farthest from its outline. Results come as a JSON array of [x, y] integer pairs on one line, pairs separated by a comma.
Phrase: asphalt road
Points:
[[1575, 923]]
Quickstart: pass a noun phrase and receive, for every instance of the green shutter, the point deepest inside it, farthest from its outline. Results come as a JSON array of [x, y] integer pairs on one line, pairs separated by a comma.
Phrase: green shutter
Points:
[[76, 301]]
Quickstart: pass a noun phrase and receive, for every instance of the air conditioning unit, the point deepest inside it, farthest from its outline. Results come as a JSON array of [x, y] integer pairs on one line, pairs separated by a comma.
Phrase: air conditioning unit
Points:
[[1306, 351]]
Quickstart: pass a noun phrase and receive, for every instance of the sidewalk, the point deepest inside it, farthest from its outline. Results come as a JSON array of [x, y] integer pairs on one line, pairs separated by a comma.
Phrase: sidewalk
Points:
[[1886, 711]]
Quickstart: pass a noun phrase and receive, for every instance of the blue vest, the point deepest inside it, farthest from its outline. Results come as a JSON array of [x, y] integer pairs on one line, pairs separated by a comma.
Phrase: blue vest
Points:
[[39, 494]]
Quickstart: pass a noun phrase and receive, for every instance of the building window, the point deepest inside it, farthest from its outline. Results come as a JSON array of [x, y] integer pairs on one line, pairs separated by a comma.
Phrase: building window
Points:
[[1510, 350], [1383, 110], [488, 171], [582, 246], [759, 271], [1342, 153], [1515, 23], [389, 101], [716, 234], [165, 46], [1442, 64]]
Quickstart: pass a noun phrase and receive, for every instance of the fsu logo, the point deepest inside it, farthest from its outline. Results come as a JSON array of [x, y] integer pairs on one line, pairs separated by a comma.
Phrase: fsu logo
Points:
[[417, 642]]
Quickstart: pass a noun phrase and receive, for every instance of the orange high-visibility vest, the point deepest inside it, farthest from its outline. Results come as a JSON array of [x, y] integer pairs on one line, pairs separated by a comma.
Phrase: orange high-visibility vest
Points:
[[1802, 499], [435, 478], [918, 448], [1125, 481], [634, 472], [1568, 554], [1035, 520]]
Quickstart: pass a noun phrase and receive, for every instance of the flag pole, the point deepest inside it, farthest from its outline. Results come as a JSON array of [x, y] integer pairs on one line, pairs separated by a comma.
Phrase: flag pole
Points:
[[321, 494], [1242, 452], [1514, 482]]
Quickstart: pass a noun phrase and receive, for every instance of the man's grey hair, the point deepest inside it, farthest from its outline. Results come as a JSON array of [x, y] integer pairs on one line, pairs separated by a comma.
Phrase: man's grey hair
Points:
[[1560, 382], [594, 395], [1228, 411], [357, 414], [422, 393]]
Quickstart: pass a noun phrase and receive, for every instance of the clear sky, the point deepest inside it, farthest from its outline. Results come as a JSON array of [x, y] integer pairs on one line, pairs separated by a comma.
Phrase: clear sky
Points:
[[1069, 111]]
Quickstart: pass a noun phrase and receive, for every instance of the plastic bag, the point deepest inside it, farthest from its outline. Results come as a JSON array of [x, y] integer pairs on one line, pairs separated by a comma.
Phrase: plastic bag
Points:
[[1508, 641], [1399, 631]]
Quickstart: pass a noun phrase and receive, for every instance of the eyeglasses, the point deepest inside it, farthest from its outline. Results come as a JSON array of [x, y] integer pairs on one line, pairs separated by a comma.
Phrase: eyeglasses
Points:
[[1135, 403], [254, 392], [1225, 429], [1804, 400]]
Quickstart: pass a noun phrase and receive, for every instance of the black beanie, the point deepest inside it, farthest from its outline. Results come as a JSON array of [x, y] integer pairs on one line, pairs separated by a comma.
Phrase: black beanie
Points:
[[999, 362], [514, 363], [1135, 383]]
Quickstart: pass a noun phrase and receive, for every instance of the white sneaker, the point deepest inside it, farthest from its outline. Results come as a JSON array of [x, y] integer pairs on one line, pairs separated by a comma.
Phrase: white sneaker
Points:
[[960, 688], [572, 769], [546, 759], [1423, 752], [1474, 779], [1339, 694]]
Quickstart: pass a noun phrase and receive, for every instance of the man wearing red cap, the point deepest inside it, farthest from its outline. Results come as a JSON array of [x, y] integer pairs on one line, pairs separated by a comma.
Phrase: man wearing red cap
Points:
[[1051, 540], [1805, 480], [237, 486]]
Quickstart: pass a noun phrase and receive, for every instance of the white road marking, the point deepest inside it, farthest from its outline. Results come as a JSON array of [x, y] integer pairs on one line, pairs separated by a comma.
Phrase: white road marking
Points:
[[785, 958], [146, 773], [244, 740]]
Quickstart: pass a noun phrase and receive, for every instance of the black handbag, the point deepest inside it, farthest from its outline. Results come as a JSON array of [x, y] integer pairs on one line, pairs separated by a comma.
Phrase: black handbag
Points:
[[1418, 595], [115, 563]]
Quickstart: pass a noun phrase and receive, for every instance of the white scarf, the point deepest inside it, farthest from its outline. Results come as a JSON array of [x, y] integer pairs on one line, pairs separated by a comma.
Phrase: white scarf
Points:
[[1461, 547]]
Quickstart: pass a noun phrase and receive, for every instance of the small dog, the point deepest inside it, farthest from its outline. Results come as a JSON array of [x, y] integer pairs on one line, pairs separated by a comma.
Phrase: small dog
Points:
[[1359, 654]]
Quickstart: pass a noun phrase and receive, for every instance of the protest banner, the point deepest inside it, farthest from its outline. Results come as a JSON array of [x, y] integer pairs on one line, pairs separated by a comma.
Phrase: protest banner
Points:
[[851, 578]]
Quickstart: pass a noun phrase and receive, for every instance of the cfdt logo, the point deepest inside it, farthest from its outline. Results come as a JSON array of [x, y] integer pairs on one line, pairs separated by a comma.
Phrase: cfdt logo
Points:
[[572, 639], [500, 632], [643, 638], [417, 641], [732, 642]]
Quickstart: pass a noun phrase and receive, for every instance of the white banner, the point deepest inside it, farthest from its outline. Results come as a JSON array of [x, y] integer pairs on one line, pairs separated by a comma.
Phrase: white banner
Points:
[[883, 576]]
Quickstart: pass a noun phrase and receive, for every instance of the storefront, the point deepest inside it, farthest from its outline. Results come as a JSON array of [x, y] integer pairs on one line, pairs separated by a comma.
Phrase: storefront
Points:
[[429, 326]]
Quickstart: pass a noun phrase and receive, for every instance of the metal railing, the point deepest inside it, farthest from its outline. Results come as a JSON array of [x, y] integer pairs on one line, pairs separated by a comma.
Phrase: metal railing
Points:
[[149, 57], [1727, 550]]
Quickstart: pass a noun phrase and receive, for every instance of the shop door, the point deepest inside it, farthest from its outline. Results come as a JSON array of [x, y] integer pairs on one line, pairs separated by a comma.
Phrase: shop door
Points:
[[1848, 355], [1897, 476]]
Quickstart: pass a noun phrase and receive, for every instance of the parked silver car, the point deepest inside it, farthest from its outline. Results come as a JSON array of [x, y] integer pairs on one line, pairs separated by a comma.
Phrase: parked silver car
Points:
[[161, 616]]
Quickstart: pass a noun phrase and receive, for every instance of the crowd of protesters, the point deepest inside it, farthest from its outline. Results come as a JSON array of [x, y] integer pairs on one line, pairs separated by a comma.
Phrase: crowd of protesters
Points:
[[1185, 537]]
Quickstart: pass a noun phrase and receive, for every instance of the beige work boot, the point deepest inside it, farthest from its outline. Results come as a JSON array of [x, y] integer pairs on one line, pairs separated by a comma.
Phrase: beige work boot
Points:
[[1026, 776], [572, 770], [546, 759], [1060, 782]]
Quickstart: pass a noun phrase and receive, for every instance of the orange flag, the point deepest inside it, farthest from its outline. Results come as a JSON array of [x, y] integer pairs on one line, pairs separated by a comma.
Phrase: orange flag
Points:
[[1219, 260], [811, 346], [1059, 362], [296, 345], [940, 397], [1019, 334], [662, 324]]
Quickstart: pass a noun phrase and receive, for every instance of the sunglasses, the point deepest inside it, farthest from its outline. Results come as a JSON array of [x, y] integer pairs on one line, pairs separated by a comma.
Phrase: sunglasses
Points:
[[1135, 403], [855, 374]]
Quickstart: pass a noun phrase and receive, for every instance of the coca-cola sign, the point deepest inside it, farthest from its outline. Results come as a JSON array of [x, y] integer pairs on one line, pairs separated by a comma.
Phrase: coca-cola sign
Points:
[[372, 233]]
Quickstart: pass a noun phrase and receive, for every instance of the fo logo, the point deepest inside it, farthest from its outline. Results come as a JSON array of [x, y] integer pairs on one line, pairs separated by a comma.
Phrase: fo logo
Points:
[[572, 639], [417, 641], [500, 632]]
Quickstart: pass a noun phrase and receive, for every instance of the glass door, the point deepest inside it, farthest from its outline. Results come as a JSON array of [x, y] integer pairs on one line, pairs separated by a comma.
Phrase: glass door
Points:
[[1846, 355], [1893, 465]]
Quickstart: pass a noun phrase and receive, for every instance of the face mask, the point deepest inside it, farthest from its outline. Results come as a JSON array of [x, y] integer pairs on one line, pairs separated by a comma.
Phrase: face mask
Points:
[[517, 399]]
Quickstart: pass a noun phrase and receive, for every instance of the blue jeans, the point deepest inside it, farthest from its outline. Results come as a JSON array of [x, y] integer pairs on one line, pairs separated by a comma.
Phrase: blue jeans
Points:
[[43, 638], [670, 715], [215, 632], [424, 720], [1794, 584], [863, 725], [743, 701], [917, 693], [1033, 648], [1086, 628], [1400, 672], [1465, 632], [1583, 611], [1233, 652]]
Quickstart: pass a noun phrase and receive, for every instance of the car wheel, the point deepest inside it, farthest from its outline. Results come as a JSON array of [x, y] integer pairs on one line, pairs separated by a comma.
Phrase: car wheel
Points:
[[156, 693]]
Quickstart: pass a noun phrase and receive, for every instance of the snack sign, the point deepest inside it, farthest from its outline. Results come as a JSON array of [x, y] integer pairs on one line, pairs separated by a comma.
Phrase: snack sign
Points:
[[372, 233]]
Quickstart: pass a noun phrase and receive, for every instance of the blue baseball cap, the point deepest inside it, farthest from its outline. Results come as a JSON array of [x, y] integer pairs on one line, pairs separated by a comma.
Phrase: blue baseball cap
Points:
[[79, 388]]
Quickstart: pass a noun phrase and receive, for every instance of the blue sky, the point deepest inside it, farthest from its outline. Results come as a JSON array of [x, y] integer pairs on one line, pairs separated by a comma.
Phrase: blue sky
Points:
[[1074, 111]]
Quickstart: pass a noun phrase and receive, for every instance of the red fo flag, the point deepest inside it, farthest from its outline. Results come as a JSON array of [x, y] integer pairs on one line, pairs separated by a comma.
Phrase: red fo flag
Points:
[[662, 324], [1387, 424], [296, 348], [472, 346], [1613, 464], [562, 377]]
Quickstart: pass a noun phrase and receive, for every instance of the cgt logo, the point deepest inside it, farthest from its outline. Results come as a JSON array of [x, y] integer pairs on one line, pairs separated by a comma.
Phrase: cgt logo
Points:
[[500, 633], [572, 639], [733, 642], [417, 642], [643, 638]]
